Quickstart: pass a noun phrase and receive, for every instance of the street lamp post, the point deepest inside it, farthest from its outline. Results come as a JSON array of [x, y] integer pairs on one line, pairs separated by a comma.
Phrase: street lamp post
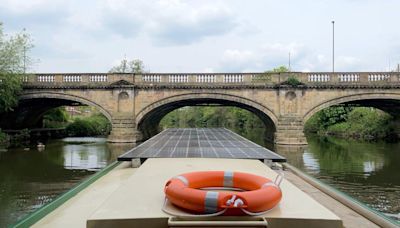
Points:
[[333, 46]]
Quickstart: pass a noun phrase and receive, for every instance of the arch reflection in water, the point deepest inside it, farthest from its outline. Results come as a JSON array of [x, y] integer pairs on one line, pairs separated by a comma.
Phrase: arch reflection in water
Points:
[[92, 154]]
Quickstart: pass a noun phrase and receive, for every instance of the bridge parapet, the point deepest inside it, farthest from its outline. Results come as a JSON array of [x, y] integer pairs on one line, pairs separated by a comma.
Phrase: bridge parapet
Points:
[[76, 79], [311, 78], [209, 79]]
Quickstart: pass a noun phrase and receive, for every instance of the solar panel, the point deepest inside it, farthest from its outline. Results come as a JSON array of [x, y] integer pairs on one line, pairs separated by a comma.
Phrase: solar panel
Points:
[[200, 142]]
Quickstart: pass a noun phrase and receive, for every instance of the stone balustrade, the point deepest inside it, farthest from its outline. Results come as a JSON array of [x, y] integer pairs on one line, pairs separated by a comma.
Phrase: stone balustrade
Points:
[[72, 78], [311, 78]]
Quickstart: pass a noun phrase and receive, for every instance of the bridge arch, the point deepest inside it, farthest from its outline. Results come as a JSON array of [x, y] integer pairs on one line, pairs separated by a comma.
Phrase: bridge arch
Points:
[[68, 97], [32, 105], [355, 98], [148, 118]]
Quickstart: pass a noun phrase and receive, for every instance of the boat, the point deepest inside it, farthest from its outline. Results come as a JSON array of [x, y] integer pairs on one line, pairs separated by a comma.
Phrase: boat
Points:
[[132, 194]]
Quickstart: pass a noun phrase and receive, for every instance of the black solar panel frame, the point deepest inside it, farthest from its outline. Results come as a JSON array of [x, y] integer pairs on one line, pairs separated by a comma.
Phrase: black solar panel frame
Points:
[[200, 142]]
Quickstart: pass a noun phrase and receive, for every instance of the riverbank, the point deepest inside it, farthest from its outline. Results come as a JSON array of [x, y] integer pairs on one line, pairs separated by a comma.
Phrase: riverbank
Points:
[[4, 140], [55, 128], [358, 123]]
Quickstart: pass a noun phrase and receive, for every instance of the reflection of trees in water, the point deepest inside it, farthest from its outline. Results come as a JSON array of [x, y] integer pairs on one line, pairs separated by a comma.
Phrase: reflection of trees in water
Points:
[[117, 149], [347, 157], [257, 135], [293, 154], [366, 171], [30, 179]]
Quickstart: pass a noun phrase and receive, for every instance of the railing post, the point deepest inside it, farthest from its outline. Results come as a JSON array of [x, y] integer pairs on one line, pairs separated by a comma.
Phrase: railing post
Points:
[[192, 78], [394, 77], [302, 77], [58, 78], [165, 78], [247, 78], [334, 79], [363, 78], [85, 79], [220, 78]]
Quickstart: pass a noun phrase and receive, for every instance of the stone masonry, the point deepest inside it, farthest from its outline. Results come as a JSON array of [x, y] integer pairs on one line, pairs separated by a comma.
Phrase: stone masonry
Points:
[[135, 104]]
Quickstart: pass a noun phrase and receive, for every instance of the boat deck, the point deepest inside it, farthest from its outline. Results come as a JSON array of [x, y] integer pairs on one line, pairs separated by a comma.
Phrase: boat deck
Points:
[[202, 143], [138, 202], [85, 205]]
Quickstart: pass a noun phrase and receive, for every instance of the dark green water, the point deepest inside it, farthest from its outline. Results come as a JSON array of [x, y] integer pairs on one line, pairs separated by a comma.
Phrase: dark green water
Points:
[[369, 172], [30, 179]]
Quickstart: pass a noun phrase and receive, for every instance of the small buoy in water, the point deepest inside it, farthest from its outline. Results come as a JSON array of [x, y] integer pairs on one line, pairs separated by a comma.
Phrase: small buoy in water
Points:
[[41, 146]]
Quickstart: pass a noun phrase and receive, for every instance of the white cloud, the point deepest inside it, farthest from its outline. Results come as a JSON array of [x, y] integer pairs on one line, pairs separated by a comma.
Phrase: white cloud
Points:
[[272, 55], [237, 56], [347, 62], [23, 6], [208, 70], [266, 57], [222, 35], [165, 22], [179, 23]]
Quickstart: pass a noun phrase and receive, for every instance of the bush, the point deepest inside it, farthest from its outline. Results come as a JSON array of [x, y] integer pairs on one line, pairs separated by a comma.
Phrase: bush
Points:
[[328, 117], [339, 129], [4, 139], [22, 139], [369, 123], [56, 114], [313, 124], [55, 118], [90, 126], [229, 117], [356, 122], [293, 81]]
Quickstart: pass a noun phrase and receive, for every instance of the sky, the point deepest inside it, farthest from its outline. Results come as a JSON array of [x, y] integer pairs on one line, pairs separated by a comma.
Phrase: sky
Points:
[[207, 36]]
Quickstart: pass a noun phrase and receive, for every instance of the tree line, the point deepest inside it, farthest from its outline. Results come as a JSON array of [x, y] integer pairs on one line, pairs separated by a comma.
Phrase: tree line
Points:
[[351, 121], [214, 116]]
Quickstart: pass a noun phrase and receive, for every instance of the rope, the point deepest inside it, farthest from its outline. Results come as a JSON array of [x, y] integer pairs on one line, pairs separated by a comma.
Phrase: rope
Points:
[[164, 208], [279, 178], [255, 213]]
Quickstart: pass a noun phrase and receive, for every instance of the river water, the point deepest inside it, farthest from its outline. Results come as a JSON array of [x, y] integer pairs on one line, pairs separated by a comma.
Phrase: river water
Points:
[[29, 179], [369, 172]]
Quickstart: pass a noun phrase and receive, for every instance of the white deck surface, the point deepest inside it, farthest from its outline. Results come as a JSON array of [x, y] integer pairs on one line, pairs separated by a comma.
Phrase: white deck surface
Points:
[[78, 209], [138, 201]]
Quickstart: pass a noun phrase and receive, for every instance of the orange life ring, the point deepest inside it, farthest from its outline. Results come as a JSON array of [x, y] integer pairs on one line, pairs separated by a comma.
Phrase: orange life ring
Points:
[[185, 191]]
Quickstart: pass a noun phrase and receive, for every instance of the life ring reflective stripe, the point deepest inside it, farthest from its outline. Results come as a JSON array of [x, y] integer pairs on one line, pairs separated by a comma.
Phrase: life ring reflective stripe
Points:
[[185, 191]]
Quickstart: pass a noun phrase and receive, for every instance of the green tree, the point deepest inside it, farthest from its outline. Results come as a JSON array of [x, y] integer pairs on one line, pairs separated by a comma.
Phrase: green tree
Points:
[[13, 64], [134, 66], [279, 69], [55, 118]]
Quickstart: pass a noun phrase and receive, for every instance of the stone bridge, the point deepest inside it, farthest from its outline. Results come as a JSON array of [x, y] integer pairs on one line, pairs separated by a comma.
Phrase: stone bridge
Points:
[[135, 103]]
